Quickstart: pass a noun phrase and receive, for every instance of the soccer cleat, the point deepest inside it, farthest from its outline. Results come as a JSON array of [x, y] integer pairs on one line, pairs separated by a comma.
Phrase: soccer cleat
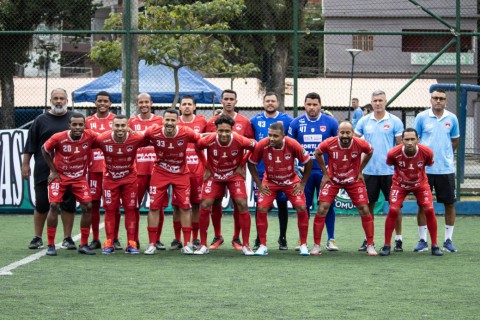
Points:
[[371, 250], [421, 246], [202, 250], [108, 247], [363, 247], [36, 243], [51, 251], [261, 251], [117, 244], [132, 248], [304, 250], [196, 244], [297, 248], [237, 244], [217, 241], [150, 249], [187, 249], [282, 244], [95, 244], [68, 244], [385, 251], [437, 252], [448, 246], [85, 249], [317, 250], [256, 245], [332, 245], [398, 246], [160, 246], [247, 251], [176, 245]]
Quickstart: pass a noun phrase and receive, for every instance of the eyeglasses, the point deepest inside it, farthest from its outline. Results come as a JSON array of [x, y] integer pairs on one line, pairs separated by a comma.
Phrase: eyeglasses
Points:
[[439, 98]]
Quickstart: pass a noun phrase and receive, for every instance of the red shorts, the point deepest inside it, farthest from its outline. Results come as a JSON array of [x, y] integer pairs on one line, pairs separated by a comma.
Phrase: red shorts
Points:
[[159, 189], [267, 201], [356, 191], [124, 189], [195, 190], [143, 182], [422, 193], [79, 188], [214, 189], [95, 181]]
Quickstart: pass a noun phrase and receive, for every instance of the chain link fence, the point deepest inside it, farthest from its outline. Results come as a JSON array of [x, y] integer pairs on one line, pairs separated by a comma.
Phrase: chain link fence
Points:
[[289, 47]]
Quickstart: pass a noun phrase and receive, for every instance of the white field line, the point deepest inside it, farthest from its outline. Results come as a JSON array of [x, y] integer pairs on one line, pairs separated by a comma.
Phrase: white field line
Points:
[[7, 270]]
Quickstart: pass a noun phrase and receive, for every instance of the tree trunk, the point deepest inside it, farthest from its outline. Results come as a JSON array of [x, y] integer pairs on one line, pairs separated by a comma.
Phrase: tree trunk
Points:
[[7, 119], [279, 69], [177, 86]]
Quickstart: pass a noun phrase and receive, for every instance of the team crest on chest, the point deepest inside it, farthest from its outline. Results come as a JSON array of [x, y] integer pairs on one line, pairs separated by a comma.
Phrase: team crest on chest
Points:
[[354, 155], [386, 126], [234, 153], [448, 125], [288, 156], [420, 164], [238, 127], [180, 143], [129, 149], [323, 128], [85, 146], [196, 129]]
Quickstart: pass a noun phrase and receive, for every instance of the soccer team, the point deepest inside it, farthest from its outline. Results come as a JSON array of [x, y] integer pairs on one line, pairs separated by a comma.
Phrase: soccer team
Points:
[[107, 156]]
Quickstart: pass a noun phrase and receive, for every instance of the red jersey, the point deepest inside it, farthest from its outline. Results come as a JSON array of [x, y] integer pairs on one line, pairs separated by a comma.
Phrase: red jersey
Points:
[[198, 124], [171, 153], [119, 156], [145, 156], [242, 125], [71, 156], [99, 125], [344, 163], [280, 163], [410, 171], [224, 159]]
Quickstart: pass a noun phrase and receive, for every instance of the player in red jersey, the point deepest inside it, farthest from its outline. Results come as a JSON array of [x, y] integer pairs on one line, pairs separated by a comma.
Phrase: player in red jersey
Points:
[[225, 152], [71, 150], [278, 154], [120, 180], [345, 165], [145, 156], [409, 161], [243, 127], [198, 124], [170, 142], [99, 122]]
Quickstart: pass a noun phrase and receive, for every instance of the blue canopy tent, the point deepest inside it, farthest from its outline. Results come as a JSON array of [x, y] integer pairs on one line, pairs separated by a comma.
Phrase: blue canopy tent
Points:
[[157, 80]]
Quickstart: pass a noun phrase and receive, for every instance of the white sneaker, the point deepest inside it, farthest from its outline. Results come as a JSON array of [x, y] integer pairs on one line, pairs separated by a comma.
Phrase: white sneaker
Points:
[[332, 245], [247, 251], [151, 249], [317, 250], [304, 250], [262, 251], [202, 250], [188, 249], [371, 251]]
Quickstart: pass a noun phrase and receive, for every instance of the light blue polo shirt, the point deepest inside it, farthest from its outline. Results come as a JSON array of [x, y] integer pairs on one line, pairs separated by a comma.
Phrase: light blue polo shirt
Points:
[[437, 134], [357, 115], [381, 135]]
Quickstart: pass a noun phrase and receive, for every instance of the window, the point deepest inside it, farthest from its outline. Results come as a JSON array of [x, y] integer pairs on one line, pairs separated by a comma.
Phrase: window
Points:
[[363, 42], [432, 43]]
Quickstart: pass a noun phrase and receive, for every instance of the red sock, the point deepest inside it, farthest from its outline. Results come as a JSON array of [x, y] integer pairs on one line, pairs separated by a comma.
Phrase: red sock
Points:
[[244, 222], [118, 217], [51, 235], [302, 217], [195, 226], [431, 224], [318, 225], [152, 234], [236, 223], [177, 229], [130, 223], [262, 226], [95, 220], [187, 232], [161, 218], [390, 223], [367, 223], [137, 224], [217, 220], [204, 221], [84, 233], [109, 224]]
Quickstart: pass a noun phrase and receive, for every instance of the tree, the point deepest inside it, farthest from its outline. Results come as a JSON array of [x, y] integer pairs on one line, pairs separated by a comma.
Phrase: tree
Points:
[[27, 15], [197, 51]]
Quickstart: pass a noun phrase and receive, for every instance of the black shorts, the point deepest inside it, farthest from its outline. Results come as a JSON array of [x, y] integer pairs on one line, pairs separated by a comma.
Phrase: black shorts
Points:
[[376, 183], [444, 185], [42, 204]]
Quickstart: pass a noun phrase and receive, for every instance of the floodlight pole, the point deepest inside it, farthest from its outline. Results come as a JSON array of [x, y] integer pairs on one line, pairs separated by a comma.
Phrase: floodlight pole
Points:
[[353, 53]]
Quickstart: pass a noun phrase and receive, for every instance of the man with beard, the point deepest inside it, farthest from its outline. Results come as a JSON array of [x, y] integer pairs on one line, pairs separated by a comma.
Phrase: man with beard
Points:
[[44, 126]]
